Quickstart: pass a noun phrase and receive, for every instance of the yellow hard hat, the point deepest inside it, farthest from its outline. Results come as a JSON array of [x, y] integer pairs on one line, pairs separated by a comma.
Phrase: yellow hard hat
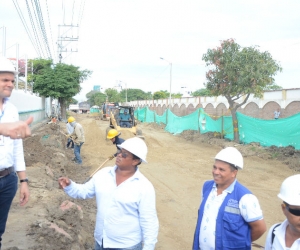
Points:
[[112, 134], [71, 119]]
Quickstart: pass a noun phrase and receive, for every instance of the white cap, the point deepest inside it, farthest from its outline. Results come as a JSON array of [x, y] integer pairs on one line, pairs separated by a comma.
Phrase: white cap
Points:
[[290, 190], [232, 156], [136, 146], [7, 66]]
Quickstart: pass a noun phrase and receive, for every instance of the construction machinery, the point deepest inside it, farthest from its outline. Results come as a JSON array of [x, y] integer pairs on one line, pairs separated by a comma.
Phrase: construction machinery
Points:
[[106, 110], [117, 122]]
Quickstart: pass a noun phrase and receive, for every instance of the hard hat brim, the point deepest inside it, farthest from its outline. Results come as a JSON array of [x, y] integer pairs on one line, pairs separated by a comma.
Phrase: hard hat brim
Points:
[[119, 146]]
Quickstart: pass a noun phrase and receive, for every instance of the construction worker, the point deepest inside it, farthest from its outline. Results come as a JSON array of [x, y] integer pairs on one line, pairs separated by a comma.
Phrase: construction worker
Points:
[[125, 119], [77, 137], [229, 216], [126, 211], [12, 164], [70, 130], [113, 135], [286, 235]]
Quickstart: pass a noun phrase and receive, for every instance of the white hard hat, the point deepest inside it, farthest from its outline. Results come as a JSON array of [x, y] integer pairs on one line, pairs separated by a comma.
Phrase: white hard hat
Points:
[[7, 66], [232, 156], [290, 190], [136, 146]]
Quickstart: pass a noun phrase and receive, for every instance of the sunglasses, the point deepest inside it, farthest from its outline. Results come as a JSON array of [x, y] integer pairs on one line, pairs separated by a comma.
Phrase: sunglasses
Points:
[[293, 211], [123, 154]]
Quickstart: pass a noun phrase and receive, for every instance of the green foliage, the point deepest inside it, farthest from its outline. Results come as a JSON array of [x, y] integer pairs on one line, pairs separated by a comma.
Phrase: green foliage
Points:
[[162, 94], [237, 71], [176, 95], [59, 81], [201, 92], [97, 99], [113, 95], [135, 94]]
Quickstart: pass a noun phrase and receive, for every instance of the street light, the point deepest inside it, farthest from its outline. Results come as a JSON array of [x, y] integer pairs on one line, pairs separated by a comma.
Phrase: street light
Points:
[[170, 78], [125, 88]]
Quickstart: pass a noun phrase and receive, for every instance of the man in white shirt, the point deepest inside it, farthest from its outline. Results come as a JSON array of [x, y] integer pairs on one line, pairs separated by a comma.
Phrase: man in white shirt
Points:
[[286, 235], [126, 210], [276, 114], [12, 164], [229, 216]]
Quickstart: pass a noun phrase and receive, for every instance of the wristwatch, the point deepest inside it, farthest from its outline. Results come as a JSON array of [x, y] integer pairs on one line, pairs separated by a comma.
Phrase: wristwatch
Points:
[[24, 180]]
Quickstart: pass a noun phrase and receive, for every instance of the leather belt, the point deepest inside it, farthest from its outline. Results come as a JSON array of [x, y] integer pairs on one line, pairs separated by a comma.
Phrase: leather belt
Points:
[[6, 171]]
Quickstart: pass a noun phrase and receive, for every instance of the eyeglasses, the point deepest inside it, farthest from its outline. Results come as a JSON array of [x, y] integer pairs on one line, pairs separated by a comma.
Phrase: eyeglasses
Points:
[[124, 155], [293, 211]]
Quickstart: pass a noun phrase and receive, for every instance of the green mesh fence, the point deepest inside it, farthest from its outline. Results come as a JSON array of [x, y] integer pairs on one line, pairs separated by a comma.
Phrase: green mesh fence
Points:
[[161, 118], [207, 124], [281, 132], [177, 124]]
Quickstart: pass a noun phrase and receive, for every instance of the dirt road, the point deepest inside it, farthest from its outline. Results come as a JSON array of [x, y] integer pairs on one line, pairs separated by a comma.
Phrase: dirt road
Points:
[[178, 166]]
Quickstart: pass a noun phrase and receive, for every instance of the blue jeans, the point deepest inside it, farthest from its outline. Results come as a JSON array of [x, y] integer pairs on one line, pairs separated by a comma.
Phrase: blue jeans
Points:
[[77, 152], [70, 142], [125, 124], [8, 189], [136, 247]]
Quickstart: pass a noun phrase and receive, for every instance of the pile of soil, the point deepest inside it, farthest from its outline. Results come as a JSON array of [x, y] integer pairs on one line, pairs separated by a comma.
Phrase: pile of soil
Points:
[[177, 167], [288, 155]]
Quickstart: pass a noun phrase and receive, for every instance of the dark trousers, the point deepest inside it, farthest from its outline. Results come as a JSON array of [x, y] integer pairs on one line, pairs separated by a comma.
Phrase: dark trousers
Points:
[[77, 152], [70, 142], [8, 189]]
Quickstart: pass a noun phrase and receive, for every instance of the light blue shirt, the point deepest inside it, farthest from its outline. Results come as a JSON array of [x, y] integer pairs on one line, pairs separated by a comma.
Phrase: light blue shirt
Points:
[[126, 214], [11, 150], [70, 129]]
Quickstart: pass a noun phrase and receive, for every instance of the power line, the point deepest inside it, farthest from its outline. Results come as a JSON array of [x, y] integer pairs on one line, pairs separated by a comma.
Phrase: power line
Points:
[[34, 30], [72, 12], [42, 26], [50, 26], [81, 13], [25, 25]]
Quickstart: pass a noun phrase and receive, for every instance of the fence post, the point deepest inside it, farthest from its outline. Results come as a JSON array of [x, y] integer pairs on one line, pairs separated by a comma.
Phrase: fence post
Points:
[[199, 121], [222, 125]]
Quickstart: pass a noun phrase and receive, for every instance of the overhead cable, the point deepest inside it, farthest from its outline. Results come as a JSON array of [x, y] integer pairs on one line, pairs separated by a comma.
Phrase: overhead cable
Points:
[[25, 26]]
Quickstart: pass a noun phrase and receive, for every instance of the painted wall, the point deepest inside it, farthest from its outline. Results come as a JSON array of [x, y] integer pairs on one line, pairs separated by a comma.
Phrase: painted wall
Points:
[[29, 104], [287, 100]]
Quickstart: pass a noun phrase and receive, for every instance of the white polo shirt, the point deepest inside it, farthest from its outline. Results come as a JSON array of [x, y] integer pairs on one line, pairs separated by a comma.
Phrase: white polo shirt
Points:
[[248, 205], [279, 239]]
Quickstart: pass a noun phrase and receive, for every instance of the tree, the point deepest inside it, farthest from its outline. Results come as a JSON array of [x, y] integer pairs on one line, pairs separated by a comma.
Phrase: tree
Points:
[[113, 95], [162, 94], [201, 92], [176, 95], [237, 72], [95, 98], [60, 81], [135, 94]]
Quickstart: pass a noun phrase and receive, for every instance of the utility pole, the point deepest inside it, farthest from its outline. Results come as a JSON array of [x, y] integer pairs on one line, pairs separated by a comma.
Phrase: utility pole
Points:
[[67, 37]]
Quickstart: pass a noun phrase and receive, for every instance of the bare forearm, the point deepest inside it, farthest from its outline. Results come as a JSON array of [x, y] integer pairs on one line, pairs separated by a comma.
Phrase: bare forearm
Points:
[[258, 228]]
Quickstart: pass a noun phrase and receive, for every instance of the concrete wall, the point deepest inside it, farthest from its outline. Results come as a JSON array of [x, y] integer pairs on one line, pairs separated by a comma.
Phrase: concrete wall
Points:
[[29, 104], [287, 100]]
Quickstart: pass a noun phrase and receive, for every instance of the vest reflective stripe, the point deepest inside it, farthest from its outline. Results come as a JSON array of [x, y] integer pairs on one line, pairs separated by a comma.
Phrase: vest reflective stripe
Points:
[[232, 231], [232, 210]]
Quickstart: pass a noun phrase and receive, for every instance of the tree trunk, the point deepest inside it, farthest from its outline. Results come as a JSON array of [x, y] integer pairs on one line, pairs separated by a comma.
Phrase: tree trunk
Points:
[[62, 103], [233, 107], [235, 125]]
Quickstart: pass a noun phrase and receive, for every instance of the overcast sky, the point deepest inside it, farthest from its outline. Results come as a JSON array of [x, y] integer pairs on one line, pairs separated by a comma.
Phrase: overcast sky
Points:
[[123, 40]]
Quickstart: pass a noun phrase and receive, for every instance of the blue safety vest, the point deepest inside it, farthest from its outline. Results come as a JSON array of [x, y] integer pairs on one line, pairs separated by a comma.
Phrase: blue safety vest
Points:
[[232, 231]]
